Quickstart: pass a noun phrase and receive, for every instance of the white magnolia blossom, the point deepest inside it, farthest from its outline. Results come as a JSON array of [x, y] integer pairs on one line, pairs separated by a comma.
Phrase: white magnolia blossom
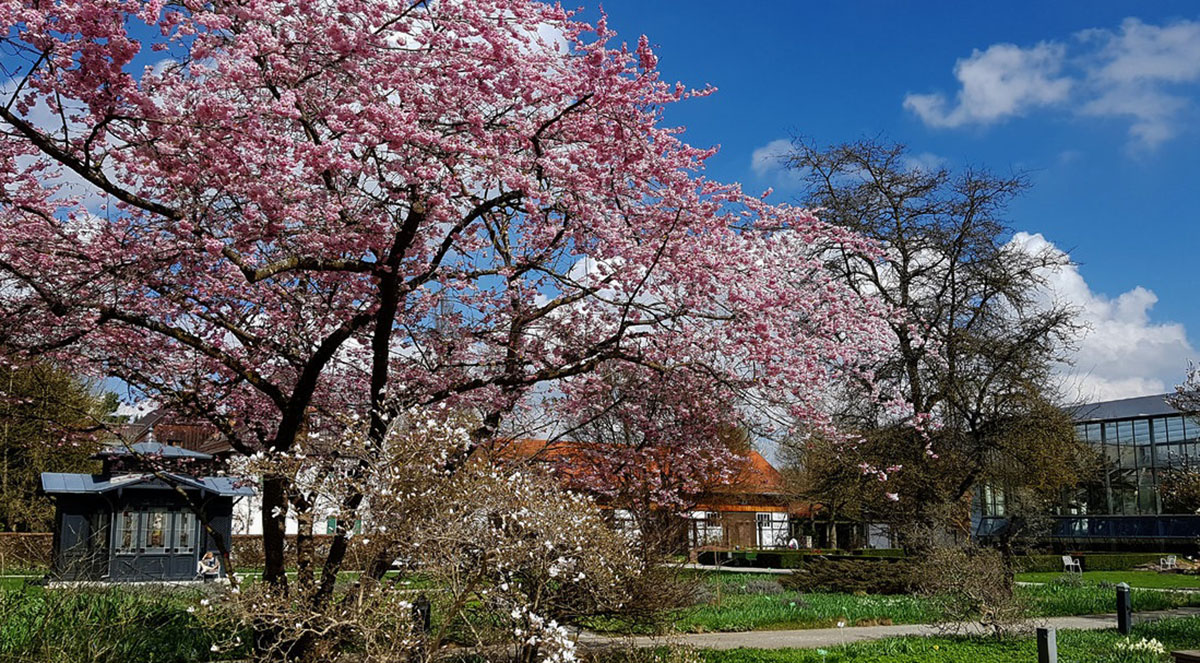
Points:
[[505, 539]]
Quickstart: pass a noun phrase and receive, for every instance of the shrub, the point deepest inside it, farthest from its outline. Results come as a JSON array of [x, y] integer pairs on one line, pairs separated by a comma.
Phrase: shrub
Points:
[[873, 576], [629, 654], [22, 552], [971, 585], [701, 594], [1038, 563]]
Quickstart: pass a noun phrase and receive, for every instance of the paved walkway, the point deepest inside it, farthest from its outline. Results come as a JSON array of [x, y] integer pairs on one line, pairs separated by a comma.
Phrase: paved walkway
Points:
[[832, 637]]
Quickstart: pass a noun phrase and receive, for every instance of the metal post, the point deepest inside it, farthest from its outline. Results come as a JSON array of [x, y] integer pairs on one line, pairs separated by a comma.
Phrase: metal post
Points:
[[421, 613], [1124, 610], [1047, 646]]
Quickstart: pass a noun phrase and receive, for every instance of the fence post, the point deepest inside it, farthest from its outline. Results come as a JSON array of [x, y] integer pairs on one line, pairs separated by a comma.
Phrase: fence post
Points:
[[1047, 646], [1124, 609]]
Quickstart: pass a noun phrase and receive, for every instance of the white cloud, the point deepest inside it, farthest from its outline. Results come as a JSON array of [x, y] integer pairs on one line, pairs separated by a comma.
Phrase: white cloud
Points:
[[1142, 73], [770, 158], [1142, 52], [927, 162], [1136, 72], [1121, 353], [1000, 82]]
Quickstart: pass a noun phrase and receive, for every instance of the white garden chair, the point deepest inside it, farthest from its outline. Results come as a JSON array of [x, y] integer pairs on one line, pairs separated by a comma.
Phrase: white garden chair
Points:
[[1166, 563], [1070, 564]]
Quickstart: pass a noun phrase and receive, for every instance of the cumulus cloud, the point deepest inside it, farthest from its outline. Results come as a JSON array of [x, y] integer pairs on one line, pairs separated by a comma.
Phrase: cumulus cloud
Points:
[[1121, 352], [1000, 82], [1141, 73]]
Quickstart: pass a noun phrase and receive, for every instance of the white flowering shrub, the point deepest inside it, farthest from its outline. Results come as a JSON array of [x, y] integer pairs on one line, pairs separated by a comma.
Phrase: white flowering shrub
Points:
[[506, 556]]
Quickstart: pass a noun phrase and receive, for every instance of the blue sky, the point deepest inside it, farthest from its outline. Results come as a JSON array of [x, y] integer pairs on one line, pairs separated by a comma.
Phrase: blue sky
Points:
[[1098, 102]]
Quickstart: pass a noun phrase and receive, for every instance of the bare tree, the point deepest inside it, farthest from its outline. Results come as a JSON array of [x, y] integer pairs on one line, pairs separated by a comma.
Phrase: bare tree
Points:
[[976, 332]]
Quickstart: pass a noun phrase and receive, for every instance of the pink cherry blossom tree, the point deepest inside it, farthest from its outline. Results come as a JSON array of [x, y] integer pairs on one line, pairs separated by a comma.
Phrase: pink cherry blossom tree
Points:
[[274, 215]]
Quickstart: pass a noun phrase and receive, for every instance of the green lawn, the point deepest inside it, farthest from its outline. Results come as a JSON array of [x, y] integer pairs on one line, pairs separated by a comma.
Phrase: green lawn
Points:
[[1147, 579], [737, 602], [791, 610], [1073, 647]]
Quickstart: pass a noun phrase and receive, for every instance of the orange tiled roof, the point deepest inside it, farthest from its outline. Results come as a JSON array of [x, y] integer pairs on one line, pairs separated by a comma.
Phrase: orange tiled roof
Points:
[[756, 476]]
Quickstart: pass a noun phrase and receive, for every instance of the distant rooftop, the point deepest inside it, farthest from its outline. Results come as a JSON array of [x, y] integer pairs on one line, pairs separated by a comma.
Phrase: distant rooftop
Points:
[[1125, 408], [156, 449], [58, 483]]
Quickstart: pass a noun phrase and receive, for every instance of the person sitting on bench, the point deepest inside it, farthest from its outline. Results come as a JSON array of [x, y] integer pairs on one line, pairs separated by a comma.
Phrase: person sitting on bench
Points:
[[208, 568]]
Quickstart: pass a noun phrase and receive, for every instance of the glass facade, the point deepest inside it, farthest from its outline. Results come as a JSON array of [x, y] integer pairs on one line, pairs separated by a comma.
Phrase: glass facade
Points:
[[1136, 452]]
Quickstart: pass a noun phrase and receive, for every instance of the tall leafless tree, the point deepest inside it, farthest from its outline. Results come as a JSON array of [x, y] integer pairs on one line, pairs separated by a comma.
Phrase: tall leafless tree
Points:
[[977, 332]]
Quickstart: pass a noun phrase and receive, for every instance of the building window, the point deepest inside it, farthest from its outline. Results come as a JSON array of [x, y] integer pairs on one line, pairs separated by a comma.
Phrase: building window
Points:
[[185, 532], [993, 501], [126, 532], [1175, 429], [772, 529], [154, 531], [706, 528]]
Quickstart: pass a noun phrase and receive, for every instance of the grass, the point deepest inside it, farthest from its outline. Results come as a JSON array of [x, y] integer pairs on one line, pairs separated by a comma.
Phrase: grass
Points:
[[791, 610], [10, 584], [735, 602], [129, 624], [1073, 647], [101, 625], [1145, 579], [1060, 600]]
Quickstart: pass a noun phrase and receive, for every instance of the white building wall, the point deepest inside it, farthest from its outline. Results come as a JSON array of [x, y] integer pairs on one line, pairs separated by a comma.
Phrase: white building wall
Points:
[[247, 517]]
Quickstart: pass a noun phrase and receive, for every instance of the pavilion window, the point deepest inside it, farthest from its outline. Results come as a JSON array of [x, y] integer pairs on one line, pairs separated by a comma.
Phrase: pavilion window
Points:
[[154, 531], [185, 532], [126, 532]]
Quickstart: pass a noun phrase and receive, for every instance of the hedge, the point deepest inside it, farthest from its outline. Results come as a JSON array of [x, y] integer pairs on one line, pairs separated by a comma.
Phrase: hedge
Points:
[[790, 559], [1118, 561], [881, 575], [880, 552], [1089, 561]]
